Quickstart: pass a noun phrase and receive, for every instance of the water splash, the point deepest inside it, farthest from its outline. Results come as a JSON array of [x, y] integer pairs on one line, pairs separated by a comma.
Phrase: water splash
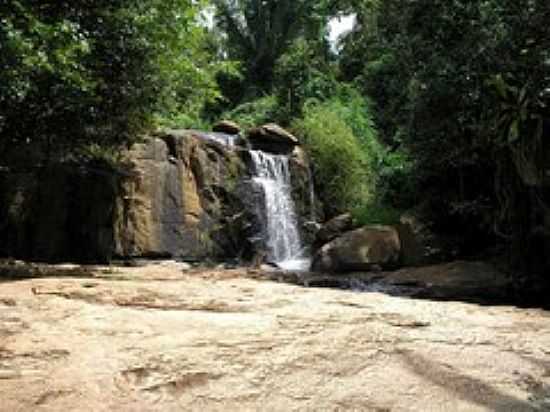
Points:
[[272, 174]]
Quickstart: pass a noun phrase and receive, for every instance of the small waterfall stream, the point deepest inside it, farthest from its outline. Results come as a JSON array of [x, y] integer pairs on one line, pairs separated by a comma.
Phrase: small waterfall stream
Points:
[[272, 174]]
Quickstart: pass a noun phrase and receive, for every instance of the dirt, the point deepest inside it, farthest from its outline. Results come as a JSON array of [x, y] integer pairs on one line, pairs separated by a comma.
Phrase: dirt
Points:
[[157, 338]]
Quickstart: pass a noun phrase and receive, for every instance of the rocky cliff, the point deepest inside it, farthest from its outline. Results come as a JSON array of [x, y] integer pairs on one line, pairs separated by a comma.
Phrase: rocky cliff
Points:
[[178, 194]]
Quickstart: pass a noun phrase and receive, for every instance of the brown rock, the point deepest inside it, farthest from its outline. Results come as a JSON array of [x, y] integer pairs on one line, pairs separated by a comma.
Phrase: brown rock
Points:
[[227, 126], [307, 204], [277, 131], [272, 138], [412, 250], [178, 200], [360, 250], [334, 228]]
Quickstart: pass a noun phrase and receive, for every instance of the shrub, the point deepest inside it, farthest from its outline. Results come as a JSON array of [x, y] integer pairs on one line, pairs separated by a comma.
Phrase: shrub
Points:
[[343, 169], [353, 170], [256, 112]]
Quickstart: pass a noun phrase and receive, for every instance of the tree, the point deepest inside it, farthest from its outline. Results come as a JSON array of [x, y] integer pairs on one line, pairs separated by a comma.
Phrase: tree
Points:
[[258, 32], [303, 73], [73, 74], [464, 87]]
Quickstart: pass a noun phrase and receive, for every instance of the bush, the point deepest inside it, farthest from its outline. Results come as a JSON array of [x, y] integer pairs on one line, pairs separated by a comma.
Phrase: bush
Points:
[[353, 170], [343, 169], [396, 185], [181, 120], [256, 112]]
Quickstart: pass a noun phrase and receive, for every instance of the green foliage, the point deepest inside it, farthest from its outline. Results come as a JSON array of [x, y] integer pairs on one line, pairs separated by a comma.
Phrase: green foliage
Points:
[[463, 87], [356, 111], [302, 73], [375, 213], [344, 170], [397, 186], [259, 32], [353, 170], [256, 112], [75, 74], [184, 118], [97, 153]]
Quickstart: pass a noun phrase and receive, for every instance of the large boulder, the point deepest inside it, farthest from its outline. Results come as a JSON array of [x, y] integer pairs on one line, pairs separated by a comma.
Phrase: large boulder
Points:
[[227, 126], [181, 200], [360, 250], [334, 228], [272, 138], [414, 248]]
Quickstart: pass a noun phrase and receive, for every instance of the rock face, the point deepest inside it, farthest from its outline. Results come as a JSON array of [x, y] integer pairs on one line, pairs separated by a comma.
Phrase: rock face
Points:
[[176, 197], [272, 138], [179, 194], [334, 228], [308, 206], [180, 199], [226, 126], [360, 250], [420, 246]]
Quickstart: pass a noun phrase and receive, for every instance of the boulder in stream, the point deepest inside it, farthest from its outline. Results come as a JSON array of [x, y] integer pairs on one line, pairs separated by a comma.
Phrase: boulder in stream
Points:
[[360, 250]]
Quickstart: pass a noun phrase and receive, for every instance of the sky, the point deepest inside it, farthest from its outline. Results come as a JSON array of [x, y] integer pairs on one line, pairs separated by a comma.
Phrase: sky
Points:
[[338, 26]]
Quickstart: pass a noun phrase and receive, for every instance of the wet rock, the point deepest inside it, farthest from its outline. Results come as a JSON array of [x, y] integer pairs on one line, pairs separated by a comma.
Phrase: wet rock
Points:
[[269, 267], [470, 281], [420, 245], [360, 250]]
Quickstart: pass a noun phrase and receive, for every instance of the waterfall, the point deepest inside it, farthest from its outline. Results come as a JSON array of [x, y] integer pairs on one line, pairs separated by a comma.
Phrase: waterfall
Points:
[[272, 174]]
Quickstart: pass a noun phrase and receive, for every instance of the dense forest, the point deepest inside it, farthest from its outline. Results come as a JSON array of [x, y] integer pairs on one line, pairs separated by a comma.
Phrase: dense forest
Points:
[[436, 106]]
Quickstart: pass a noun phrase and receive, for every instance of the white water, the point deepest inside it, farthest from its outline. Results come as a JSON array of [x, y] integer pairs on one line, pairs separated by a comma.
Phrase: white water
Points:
[[285, 247], [221, 138]]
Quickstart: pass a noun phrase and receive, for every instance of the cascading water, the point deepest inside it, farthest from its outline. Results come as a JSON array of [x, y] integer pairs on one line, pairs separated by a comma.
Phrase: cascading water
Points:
[[272, 174]]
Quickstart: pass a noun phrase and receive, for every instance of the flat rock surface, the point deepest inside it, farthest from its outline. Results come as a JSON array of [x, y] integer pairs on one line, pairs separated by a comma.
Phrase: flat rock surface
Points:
[[158, 338]]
